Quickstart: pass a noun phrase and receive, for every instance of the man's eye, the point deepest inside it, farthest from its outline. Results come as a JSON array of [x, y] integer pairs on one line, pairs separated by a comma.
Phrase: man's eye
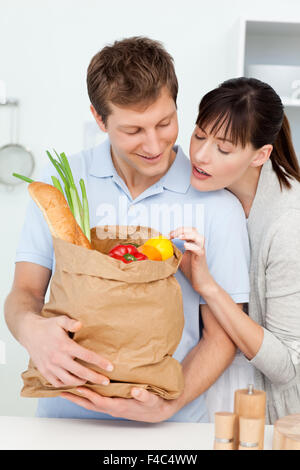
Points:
[[165, 124], [134, 132]]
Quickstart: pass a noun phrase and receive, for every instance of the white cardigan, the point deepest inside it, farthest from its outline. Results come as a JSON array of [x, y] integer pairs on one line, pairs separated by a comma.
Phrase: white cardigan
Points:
[[274, 233]]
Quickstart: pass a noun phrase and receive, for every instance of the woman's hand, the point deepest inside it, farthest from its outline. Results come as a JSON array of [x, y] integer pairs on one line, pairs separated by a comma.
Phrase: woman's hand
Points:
[[193, 263]]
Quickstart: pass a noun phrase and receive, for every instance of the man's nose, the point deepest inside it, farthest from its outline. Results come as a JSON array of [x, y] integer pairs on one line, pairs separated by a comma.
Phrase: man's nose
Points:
[[151, 144]]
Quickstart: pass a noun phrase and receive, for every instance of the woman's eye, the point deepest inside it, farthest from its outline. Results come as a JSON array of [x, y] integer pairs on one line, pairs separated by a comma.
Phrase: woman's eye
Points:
[[223, 152], [164, 124], [199, 138]]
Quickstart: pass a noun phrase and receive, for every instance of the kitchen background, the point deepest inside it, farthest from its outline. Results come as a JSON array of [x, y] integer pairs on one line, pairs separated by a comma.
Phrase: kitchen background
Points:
[[45, 48]]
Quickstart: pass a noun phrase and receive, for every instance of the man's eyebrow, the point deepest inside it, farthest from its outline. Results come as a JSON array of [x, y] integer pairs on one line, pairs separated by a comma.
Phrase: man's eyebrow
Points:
[[168, 116], [134, 126], [128, 126]]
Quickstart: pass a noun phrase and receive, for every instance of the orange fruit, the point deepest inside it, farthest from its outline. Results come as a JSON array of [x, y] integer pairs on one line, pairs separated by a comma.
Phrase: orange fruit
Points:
[[151, 252], [163, 245]]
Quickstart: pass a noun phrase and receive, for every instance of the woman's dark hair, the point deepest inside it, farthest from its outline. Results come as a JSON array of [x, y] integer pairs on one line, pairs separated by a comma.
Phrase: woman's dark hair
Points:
[[252, 112]]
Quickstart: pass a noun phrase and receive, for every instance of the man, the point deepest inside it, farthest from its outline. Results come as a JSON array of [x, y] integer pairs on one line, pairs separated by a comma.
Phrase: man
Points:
[[133, 89]]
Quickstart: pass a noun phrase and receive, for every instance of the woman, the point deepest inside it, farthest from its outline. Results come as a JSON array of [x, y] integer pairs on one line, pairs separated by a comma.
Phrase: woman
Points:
[[242, 142]]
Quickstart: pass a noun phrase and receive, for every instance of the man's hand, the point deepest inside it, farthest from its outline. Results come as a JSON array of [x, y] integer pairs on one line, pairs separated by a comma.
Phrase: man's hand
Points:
[[46, 339], [144, 406], [54, 353]]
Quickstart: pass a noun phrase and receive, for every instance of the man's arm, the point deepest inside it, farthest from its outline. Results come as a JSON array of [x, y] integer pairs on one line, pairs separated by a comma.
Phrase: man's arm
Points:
[[201, 368], [26, 298], [46, 339], [206, 361]]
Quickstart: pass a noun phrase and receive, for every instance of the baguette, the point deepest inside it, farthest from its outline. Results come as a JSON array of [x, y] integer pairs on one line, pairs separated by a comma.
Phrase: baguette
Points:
[[61, 222]]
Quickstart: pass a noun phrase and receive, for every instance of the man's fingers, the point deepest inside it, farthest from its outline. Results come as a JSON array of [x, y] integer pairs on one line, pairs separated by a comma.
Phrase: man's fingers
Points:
[[105, 404], [78, 401], [93, 401], [71, 372], [53, 380], [67, 379], [85, 373], [143, 395], [91, 357], [68, 324]]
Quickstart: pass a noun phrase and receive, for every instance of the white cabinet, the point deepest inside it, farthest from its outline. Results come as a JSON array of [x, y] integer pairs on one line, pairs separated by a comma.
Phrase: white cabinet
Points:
[[270, 51]]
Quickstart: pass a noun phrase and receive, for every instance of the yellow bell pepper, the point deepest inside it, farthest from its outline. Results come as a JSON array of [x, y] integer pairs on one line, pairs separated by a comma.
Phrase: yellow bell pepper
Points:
[[163, 245]]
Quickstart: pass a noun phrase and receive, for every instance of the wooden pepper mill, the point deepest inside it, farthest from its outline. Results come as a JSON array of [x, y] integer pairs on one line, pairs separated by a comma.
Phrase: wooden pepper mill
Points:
[[250, 431], [286, 434], [225, 424], [250, 404]]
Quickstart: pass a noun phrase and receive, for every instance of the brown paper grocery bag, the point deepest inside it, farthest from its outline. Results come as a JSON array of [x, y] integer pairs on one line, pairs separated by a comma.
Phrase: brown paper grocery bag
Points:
[[131, 314]]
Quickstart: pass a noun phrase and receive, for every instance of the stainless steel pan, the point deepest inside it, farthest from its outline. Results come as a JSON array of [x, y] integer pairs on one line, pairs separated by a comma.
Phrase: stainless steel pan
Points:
[[14, 157]]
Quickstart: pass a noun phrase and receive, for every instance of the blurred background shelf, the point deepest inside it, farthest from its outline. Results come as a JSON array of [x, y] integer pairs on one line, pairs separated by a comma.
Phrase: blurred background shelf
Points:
[[270, 51]]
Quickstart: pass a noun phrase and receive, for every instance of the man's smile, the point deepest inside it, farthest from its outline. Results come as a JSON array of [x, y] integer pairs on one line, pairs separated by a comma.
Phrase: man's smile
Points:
[[150, 159]]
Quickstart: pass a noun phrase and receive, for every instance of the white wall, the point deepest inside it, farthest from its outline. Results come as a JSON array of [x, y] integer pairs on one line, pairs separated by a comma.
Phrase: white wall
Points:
[[45, 48]]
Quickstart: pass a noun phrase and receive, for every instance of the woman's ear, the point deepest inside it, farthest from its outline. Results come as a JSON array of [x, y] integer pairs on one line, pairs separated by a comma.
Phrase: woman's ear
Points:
[[98, 119], [262, 155]]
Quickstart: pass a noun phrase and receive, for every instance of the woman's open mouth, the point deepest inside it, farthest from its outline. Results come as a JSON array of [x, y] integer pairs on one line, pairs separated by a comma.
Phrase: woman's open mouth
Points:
[[200, 174]]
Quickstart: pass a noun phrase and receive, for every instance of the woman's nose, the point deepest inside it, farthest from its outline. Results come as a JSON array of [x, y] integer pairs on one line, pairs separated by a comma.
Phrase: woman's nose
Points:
[[203, 154]]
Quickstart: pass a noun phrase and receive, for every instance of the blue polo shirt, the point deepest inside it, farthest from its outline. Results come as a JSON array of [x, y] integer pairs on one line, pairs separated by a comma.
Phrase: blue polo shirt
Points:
[[166, 205]]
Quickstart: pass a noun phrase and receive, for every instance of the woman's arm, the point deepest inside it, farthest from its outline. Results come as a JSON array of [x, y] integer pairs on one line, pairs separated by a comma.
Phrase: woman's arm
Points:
[[275, 348], [279, 355], [243, 331]]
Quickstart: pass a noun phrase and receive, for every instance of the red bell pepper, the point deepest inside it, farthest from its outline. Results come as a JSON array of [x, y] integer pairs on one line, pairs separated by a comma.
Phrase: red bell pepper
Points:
[[127, 253]]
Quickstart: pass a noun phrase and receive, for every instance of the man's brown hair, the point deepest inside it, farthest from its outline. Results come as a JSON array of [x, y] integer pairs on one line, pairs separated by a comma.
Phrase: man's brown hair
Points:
[[130, 72]]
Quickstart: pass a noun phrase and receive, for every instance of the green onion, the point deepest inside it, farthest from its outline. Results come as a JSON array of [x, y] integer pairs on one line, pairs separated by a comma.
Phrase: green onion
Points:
[[76, 209], [59, 157], [64, 166], [68, 172], [57, 167], [57, 184], [80, 210], [86, 214], [24, 178], [61, 173], [69, 199]]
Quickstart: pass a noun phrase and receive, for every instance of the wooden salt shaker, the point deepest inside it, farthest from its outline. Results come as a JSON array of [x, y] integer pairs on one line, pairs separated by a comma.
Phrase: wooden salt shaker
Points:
[[286, 434], [250, 403], [250, 430], [225, 424]]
